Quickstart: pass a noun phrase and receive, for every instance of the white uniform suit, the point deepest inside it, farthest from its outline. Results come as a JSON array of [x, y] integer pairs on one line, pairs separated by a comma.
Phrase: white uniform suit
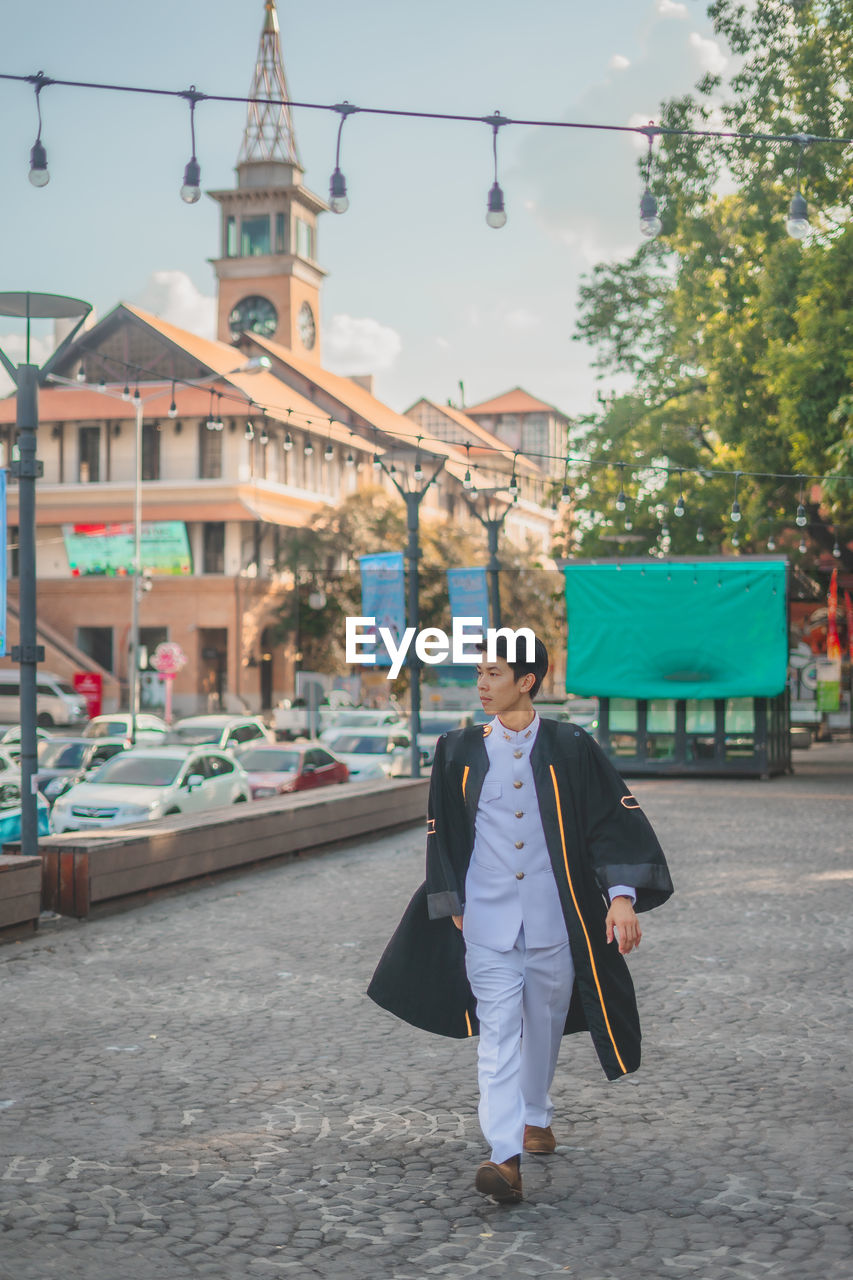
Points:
[[518, 958]]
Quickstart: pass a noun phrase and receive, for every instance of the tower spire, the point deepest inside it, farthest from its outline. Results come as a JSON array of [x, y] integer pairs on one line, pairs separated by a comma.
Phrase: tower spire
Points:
[[269, 135]]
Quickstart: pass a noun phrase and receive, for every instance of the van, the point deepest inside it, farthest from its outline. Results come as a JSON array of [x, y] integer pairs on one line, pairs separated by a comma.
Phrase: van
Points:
[[57, 702]]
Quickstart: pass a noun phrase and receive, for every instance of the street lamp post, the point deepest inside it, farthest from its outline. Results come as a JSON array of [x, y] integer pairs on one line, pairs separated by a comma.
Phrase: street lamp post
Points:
[[493, 525], [28, 652], [413, 499]]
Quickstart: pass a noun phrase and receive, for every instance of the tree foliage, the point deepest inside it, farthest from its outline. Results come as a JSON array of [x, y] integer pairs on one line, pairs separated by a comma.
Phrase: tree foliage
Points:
[[737, 339]]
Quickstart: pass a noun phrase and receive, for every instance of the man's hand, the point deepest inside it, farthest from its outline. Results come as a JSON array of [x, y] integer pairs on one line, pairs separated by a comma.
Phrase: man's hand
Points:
[[622, 917], [457, 920]]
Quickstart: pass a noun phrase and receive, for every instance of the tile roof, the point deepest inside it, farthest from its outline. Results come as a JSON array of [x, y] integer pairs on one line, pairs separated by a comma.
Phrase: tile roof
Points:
[[515, 401]]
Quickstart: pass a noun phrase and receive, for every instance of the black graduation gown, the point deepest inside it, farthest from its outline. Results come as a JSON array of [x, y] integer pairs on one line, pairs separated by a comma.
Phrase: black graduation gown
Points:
[[597, 836]]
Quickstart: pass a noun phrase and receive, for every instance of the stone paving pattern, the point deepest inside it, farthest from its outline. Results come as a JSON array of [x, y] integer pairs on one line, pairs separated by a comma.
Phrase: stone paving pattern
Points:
[[199, 1087]]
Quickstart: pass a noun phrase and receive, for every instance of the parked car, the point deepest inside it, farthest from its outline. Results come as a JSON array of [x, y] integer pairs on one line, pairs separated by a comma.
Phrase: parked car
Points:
[[434, 724], [10, 740], [150, 730], [62, 762], [364, 718], [57, 702], [10, 810], [152, 782], [372, 753], [299, 766], [8, 764], [218, 730]]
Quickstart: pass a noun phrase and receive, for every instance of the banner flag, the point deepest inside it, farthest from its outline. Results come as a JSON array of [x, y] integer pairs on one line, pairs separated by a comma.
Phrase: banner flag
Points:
[[2, 562], [469, 594], [383, 598]]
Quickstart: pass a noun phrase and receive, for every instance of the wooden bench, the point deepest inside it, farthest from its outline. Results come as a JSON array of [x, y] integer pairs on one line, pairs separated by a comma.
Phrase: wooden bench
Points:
[[20, 896], [81, 870]]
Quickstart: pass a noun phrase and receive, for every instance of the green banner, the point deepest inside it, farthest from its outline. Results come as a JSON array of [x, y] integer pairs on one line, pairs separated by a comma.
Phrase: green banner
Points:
[[677, 630]]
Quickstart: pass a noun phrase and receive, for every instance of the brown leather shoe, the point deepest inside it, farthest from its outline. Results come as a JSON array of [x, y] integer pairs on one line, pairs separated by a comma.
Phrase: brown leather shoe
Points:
[[501, 1181], [540, 1142]]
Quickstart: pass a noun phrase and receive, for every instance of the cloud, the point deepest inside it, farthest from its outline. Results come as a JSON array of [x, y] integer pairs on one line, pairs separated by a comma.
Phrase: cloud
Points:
[[669, 9], [520, 320], [710, 55], [619, 62], [172, 296], [358, 344]]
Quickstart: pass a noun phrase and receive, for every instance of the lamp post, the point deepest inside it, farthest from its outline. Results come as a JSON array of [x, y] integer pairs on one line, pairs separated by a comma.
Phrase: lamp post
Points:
[[28, 652], [493, 525], [413, 499]]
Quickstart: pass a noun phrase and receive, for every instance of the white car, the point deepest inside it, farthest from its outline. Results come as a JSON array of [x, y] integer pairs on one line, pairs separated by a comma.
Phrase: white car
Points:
[[373, 753], [151, 782], [219, 731], [353, 718], [150, 730]]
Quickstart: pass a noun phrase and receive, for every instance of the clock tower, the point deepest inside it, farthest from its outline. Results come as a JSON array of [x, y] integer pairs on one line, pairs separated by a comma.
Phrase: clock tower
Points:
[[268, 277]]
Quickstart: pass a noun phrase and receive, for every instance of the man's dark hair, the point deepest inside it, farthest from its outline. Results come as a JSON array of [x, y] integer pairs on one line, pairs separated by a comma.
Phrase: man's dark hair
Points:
[[521, 667]]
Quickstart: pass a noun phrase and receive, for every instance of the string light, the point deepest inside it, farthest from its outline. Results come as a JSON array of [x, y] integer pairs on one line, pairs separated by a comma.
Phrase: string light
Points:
[[338, 199], [81, 373], [309, 448], [700, 533], [467, 482], [797, 224], [650, 223], [496, 216], [836, 550], [621, 501], [249, 433], [191, 189], [801, 519], [173, 408], [38, 174], [735, 511], [802, 548], [679, 508]]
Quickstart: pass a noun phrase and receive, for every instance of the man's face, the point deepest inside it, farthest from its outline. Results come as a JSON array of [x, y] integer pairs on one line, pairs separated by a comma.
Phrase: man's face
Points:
[[498, 688]]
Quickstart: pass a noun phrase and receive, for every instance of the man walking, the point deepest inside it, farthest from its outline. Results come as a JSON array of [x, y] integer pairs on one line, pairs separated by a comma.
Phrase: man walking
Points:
[[540, 857]]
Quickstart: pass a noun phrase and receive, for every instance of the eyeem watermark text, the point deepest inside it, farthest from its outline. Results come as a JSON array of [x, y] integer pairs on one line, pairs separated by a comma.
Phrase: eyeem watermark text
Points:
[[432, 645]]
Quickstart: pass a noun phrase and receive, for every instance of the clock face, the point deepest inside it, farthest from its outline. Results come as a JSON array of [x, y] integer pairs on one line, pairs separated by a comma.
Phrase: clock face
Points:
[[253, 315], [306, 325]]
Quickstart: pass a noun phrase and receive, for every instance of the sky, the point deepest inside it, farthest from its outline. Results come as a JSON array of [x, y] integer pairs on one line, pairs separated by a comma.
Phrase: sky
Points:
[[421, 292]]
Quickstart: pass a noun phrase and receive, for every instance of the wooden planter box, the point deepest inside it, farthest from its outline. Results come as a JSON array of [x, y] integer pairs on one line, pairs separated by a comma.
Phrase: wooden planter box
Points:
[[87, 868], [20, 896]]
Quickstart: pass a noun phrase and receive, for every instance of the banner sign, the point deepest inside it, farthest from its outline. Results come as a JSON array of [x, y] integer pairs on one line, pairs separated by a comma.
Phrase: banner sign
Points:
[[383, 598], [469, 594], [828, 684], [108, 549], [2, 563]]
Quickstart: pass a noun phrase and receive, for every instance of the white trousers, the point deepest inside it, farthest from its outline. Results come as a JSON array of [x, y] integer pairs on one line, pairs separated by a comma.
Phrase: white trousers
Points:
[[522, 1001]]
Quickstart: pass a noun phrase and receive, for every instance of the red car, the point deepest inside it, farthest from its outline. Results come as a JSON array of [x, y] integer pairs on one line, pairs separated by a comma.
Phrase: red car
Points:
[[294, 766]]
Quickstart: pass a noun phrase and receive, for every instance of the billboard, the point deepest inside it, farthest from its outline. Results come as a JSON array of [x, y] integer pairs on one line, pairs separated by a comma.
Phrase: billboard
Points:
[[107, 549]]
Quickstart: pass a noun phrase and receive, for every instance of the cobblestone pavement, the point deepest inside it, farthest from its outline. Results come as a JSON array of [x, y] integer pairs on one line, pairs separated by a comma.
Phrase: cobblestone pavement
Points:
[[199, 1087]]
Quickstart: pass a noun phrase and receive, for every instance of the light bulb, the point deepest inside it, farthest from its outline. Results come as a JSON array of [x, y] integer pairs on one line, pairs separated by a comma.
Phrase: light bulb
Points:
[[496, 217], [264, 438], [836, 550], [377, 465], [513, 486], [467, 483], [350, 460], [173, 410], [798, 217], [802, 547], [650, 223], [678, 509], [735, 515], [802, 519], [287, 442], [664, 531], [771, 543], [38, 175], [735, 540], [419, 471], [338, 200], [125, 395], [191, 190], [309, 448], [328, 453], [629, 524], [700, 536], [249, 433], [566, 495], [81, 374], [621, 503]]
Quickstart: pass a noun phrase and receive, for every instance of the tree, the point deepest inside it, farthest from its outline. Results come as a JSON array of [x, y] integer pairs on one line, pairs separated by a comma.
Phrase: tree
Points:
[[738, 340], [323, 558]]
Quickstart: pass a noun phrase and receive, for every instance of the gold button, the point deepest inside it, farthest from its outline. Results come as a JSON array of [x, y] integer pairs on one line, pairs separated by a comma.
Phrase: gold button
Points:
[[519, 875], [519, 813], [517, 784], [518, 754], [519, 844]]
